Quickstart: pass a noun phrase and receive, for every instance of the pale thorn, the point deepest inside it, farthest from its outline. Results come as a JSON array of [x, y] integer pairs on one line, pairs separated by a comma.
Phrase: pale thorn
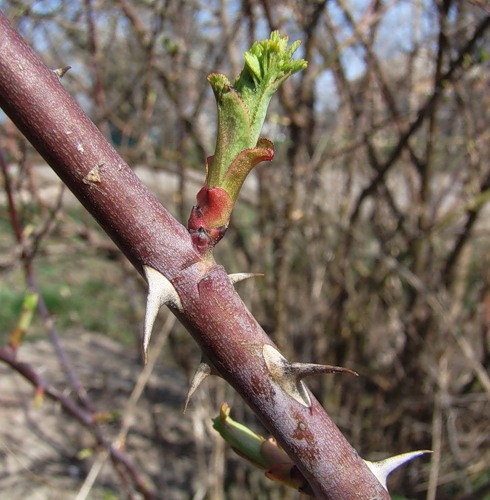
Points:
[[302, 370], [160, 291], [384, 468], [236, 277], [288, 375], [60, 72], [203, 371]]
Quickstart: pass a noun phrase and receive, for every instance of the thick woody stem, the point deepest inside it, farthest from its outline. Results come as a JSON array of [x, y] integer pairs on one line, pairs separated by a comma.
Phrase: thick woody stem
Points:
[[148, 235]]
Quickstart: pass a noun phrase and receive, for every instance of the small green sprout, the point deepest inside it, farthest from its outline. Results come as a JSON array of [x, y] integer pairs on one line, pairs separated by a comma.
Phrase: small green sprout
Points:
[[242, 107]]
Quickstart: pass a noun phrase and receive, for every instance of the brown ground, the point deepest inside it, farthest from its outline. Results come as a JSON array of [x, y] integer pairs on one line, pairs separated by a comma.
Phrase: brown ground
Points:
[[40, 446]]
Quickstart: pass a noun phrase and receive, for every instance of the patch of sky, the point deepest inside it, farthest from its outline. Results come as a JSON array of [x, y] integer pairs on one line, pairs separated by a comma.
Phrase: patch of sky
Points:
[[46, 7], [352, 60], [355, 7], [352, 57], [208, 20], [327, 97], [36, 21], [404, 25]]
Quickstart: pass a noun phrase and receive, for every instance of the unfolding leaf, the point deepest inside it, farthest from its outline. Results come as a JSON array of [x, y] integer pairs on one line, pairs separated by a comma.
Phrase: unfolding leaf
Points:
[[243, 163], [233, 129], [268, 64]]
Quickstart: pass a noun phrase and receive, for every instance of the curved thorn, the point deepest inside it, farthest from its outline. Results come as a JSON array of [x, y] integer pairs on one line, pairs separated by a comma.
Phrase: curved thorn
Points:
[[236, 277], [203, 371], [280, 369], [303, 370], [160, 291], [289, 375], [384, 468]]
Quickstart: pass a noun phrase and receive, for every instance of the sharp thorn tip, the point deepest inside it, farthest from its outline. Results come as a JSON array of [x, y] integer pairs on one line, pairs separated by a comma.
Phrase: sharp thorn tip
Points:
[[61, 72], [236, 277], [203, 371], [160, 291], [384, 468]]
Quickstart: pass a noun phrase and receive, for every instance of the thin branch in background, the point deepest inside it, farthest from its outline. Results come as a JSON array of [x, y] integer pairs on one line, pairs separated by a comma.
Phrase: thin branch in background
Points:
[[123, 464], [96, 62], [84, 413], [94, 472], [437, 426], [26, 257], [143, 379], [483, 4], [423, 113]]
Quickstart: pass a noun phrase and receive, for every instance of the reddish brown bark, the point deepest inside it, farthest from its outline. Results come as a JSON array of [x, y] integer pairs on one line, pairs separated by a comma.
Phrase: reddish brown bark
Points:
[[214, 314]]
